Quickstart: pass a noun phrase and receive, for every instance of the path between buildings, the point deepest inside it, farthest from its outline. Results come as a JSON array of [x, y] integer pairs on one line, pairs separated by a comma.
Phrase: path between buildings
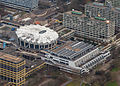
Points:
[[69, 80], [46, 81]]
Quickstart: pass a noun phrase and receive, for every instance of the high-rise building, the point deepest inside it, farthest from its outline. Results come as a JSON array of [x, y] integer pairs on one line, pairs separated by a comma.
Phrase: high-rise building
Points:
[[12, 69], [100, 10], [26, 5], [90, 27], [114, 3]]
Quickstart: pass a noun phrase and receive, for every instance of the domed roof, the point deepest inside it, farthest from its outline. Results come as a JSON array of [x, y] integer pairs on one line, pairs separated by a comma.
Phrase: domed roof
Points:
[[36, 34]]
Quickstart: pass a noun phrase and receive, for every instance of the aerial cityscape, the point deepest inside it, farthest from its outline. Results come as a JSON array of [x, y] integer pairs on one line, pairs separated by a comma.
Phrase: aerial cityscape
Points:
[[59, 42]]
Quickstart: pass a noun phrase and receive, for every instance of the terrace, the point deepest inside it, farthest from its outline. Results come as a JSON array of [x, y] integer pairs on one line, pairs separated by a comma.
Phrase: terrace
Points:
[[10, 58]]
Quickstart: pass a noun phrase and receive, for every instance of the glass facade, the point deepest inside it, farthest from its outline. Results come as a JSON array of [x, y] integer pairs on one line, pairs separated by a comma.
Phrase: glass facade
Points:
[[21, 4]]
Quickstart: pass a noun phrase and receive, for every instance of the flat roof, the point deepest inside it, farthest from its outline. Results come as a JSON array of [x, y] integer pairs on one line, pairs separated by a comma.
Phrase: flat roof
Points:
[[100, 19], [64, 32], [73, 50], [4, 28], [10, 58], [96, 4], [99, 5], [74, 14]]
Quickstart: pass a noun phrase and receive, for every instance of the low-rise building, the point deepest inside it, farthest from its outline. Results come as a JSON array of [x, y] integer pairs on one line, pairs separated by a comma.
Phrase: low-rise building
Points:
[[74, 56], [66, 33]]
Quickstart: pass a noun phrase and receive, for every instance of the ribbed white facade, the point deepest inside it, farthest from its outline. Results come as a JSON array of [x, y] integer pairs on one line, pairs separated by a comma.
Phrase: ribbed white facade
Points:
[[36, 36]]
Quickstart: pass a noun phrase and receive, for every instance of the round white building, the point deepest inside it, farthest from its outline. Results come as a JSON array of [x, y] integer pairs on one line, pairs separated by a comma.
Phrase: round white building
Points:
[[36, 37]]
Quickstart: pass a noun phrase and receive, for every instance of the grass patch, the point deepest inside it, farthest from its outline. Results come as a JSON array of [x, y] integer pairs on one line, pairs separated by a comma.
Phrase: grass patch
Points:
[[115, 69], [113, 83], [74, 83], [85, 84]]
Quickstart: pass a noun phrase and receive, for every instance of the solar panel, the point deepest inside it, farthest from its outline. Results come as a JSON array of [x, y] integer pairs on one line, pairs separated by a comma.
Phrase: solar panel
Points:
[[78, 49]]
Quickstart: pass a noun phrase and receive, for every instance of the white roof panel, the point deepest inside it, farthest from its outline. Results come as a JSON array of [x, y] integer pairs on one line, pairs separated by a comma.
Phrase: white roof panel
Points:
[[39, 34]]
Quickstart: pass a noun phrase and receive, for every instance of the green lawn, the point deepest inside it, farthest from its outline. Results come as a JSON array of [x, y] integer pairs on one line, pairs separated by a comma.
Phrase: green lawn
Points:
[[113, 83], [115, 69], [85, 84], [74, 83]]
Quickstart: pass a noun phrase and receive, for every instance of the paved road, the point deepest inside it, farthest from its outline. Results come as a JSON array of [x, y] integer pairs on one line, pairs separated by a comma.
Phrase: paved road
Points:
[[46, 81], [69, 80]]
